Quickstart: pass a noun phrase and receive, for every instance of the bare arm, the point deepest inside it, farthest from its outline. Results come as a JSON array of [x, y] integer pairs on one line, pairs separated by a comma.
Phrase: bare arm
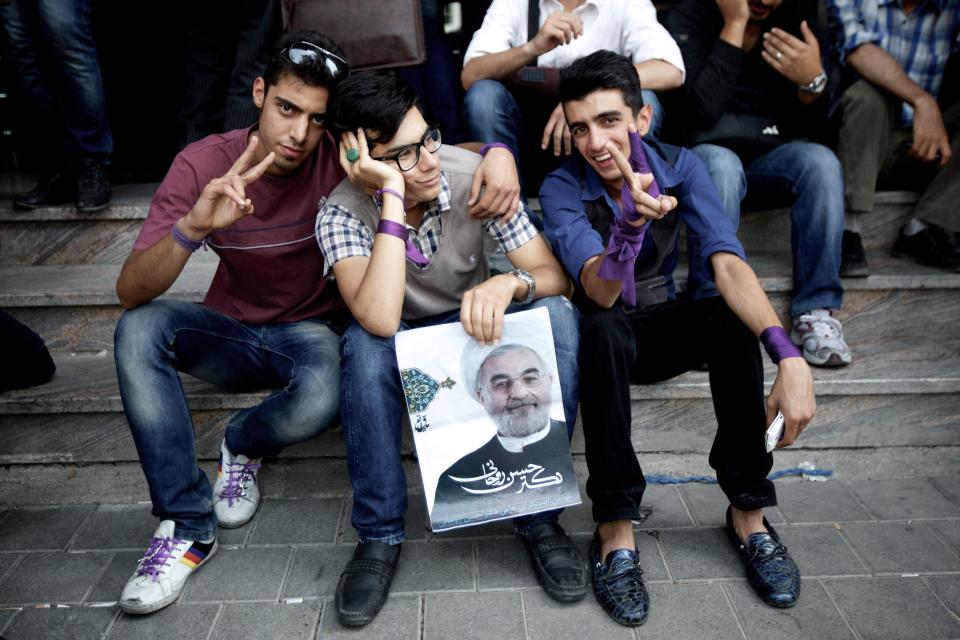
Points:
[[879, 68], [559, 28], [792, 391], [149, 273], [373, 286], [658, 75], [482, 307]]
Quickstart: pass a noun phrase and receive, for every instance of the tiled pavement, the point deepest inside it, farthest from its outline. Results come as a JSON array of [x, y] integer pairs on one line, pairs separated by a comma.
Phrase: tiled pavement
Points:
[[881, 560]]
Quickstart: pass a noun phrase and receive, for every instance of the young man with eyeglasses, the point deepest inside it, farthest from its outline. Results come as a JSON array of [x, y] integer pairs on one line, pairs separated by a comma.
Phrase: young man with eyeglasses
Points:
[[269, 320], [406, 253]]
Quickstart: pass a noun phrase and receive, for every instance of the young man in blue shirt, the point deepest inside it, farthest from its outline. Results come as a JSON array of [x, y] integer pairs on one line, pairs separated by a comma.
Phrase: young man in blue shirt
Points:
[[614, 223]]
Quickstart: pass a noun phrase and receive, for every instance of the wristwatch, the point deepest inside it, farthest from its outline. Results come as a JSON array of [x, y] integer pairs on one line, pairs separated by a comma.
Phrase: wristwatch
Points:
[[816, 86], [530, 282]]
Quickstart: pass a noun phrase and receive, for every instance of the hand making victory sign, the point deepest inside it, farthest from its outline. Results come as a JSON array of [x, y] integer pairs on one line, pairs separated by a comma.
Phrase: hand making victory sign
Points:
[[638, 206], [223, 201]]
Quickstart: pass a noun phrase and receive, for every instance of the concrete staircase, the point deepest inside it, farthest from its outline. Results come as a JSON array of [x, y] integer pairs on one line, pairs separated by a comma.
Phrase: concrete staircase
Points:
[[896, 410]]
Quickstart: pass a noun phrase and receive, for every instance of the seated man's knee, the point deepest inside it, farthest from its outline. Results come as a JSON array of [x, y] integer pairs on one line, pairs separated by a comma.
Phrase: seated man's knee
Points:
[[723, 164], [819, 167], [487, 98], [564, 319], [867, 105], [137, 329]]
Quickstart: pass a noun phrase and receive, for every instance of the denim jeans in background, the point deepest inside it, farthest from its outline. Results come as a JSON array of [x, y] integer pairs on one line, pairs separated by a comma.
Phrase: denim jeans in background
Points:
[[153, 342], [493, 115], [373, 407], [55, 60], [810, 176]]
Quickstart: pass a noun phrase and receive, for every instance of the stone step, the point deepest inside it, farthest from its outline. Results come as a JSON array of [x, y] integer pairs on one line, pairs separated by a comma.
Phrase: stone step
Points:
[[74, 307], [903, 389], [62, 235]]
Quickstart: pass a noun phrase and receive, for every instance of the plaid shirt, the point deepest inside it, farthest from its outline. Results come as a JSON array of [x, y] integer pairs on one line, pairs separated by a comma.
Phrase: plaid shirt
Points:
[[341, 234], [920, 42]]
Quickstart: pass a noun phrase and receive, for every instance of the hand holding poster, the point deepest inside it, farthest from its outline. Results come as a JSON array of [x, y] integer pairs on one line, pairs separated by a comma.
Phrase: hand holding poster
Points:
[[488, 421]]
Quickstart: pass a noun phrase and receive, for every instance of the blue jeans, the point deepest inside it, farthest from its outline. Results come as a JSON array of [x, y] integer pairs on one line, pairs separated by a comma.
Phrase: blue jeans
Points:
[[153, 342], [493, 115], [55, 58], [809, 176], [373, 408]]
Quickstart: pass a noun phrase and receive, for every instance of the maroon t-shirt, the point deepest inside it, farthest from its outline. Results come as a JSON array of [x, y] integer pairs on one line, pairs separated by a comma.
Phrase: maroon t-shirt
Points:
[[271, 269]]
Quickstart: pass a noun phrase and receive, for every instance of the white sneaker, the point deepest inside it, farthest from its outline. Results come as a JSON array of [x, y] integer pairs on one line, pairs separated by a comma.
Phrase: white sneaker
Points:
[[821, 337], [235, 493], [163, 570]]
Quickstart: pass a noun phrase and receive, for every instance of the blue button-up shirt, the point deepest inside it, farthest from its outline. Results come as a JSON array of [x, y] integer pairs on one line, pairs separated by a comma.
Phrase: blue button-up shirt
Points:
[[575, 241], [920, 41]]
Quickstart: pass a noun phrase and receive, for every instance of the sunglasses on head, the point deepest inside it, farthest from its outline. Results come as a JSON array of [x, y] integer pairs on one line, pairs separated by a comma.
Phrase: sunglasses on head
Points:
[[308, 54]]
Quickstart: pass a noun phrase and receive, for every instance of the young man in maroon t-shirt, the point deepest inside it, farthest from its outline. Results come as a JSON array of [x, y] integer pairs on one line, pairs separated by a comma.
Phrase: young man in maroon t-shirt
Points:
[[269, 320]]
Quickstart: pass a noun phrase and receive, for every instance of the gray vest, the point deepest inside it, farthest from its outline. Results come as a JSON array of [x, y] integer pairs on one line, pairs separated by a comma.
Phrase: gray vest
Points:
[[652, 286], [459, 263]]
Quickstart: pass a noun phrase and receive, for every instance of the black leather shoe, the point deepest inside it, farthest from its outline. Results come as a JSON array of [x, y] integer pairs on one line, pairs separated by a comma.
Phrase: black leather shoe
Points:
[[769, 567], [93, 186], [54, 188], [557, 562], [618, 584], [365, 582], [853, 260], [931, 246]]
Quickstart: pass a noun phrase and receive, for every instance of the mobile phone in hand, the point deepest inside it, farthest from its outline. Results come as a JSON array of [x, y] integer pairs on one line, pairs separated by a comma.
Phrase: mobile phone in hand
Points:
[[774, 432]]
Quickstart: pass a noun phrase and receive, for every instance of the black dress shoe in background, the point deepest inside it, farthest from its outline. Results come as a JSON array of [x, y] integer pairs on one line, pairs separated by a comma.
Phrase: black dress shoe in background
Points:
[[853, 260], [931, 246], [56, 186], [557, 561], [93, 186], [365, 582]]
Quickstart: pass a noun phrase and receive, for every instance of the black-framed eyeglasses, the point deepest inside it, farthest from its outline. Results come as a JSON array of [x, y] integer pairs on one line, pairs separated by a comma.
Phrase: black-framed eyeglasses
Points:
[[308, 54], [407, 157]]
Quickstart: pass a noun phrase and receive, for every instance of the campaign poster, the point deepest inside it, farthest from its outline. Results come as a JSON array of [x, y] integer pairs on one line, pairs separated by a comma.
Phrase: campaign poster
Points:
[[487, 421]]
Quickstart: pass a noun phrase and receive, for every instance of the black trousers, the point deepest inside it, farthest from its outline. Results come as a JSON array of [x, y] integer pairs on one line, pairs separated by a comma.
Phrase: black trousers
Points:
[[659, 343]]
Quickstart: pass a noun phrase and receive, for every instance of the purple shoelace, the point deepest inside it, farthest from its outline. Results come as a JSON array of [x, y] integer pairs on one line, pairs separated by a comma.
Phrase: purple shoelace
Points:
[[626, 239], [154, 561], [238, 474]]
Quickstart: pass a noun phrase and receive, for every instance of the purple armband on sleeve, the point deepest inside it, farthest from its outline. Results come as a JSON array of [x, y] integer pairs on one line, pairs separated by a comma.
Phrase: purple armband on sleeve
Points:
[[625, 239], [778, 344]]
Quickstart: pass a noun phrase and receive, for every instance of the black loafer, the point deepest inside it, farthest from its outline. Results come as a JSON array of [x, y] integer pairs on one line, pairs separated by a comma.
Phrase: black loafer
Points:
[[769, 567], [365, 582], [618, 584], [557, 562]]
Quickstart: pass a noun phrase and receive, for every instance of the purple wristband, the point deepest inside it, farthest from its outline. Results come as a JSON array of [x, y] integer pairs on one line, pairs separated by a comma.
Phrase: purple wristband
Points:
[[394, 229], [392, 192], [184, 241], [493, 145], [778, 344]]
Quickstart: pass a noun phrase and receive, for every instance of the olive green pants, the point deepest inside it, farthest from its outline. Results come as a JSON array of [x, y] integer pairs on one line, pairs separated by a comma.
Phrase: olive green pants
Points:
[[871, 147]]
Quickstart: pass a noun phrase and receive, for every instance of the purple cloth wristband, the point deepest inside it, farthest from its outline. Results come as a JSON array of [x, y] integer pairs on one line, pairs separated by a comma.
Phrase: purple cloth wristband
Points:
[[493, 145], [392, 192], [394, 229], [184, 241], [778, 344], [625, 239], [397, 230]]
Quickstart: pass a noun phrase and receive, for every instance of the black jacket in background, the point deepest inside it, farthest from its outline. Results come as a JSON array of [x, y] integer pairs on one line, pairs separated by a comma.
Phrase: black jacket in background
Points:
[[722, 78]]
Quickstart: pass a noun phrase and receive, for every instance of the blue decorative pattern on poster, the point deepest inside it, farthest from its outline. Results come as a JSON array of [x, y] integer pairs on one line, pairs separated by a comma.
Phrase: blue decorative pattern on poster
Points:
[[487, 421]]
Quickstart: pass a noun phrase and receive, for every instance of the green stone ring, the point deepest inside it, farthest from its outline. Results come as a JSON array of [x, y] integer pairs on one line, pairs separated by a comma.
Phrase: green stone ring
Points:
[[353, 155]]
